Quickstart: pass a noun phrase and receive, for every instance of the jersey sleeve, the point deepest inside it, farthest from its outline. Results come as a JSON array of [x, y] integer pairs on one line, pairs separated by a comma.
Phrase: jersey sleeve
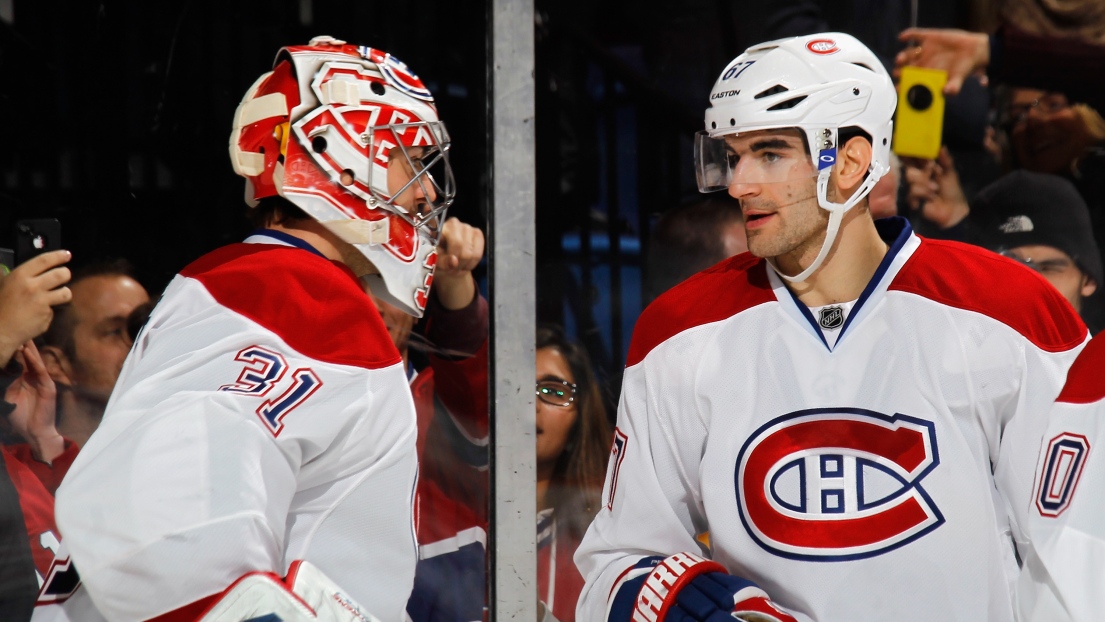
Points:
[[1064, 557], [650, 505], [226, 450], [1017, 421]]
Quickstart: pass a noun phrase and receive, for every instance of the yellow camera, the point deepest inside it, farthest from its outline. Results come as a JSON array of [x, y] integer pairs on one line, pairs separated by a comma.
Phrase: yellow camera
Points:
[[919, 126]]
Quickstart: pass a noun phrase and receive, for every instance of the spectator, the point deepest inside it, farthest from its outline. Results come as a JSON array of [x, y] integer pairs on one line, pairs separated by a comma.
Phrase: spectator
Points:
[[1009, 56], [693, 237], [1047, 133], [87, 342], [883, 200], [29, 470], [1041, 221], [936, 197], [573, 443]]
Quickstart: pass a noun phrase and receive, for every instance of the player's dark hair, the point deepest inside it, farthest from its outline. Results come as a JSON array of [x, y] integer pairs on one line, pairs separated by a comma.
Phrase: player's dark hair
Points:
[[275, 210], [575, 492]]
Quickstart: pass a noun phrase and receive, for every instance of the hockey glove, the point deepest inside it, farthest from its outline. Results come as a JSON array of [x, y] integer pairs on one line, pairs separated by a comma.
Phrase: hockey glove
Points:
[[305, 595], [688, 588]]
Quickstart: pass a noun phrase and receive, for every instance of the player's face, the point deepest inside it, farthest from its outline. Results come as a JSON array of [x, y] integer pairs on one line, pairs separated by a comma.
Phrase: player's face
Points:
[[416, 197], [101, 305], [1058, 268], [554, 423], [775, 182]]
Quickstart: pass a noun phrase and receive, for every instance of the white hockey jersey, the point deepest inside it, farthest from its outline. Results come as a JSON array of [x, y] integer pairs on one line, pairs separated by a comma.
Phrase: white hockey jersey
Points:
[[263, 416], [1064, 568], [884, 478]]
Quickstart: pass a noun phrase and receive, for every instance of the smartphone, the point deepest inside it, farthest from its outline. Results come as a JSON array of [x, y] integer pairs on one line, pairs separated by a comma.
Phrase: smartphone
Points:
[[919, 126], [36, 236]]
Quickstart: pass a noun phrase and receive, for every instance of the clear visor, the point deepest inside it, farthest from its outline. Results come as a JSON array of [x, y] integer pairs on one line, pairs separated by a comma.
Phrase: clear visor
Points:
[[415, 170], [754, 158]]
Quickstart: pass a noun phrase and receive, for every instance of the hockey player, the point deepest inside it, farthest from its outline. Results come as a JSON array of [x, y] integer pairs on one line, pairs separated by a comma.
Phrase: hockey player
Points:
[[851, 412], [258, 454], [1064, 565]]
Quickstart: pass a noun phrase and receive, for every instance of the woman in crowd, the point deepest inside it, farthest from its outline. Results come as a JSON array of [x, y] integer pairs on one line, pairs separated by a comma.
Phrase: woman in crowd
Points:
[[573, 443]]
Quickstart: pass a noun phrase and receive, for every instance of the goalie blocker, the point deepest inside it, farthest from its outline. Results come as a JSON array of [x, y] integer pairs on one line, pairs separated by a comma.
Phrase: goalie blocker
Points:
[[687, 588]]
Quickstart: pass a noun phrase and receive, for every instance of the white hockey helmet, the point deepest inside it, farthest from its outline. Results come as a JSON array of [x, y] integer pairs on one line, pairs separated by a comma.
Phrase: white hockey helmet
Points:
[[327, 129], [817, 84]]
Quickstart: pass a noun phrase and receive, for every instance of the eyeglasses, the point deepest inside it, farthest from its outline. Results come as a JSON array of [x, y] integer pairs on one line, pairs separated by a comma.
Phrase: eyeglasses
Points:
[[556, 392], [1046, 105], [1044, 266]]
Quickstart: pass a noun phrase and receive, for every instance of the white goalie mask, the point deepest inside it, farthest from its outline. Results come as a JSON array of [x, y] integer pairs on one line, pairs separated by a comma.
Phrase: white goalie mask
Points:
[[816, 84], [352, 137]]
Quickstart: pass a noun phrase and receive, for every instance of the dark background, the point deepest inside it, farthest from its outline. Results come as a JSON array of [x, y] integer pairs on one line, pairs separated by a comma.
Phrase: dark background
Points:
[[118, 113], [117, 118]]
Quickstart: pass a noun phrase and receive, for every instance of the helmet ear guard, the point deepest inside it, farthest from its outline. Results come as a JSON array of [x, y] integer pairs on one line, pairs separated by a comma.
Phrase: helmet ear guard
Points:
[[818, 84], [324, 129]]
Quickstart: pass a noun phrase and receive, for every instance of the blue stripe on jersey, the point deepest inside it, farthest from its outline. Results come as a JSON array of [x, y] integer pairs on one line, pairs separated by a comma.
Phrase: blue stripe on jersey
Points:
[[895, 231]]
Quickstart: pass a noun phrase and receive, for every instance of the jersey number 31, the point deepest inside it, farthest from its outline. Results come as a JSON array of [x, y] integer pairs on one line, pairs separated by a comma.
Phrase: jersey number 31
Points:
[[266, 369]]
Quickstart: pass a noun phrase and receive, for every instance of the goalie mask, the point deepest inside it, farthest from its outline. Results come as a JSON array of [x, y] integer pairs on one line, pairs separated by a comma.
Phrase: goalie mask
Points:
[[815, 84], [351, 136]]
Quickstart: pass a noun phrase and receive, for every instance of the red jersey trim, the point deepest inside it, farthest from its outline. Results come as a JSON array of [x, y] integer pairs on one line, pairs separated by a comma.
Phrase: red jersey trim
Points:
[[316, 306], [974, 279], [734, 285], [1086, 379]]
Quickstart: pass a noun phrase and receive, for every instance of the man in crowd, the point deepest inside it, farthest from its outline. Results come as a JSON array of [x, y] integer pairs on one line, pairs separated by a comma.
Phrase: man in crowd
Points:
[[87, 342], [692, 237], [1041, 221], [852, 412], [258, 457]]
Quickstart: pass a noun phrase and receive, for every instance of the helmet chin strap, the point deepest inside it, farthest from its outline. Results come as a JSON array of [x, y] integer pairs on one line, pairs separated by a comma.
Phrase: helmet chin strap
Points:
[[836, 215]]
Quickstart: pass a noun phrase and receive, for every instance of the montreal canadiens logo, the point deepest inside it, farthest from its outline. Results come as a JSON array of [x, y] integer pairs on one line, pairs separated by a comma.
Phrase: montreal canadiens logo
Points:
[[401, 77], [833, 484], [822, 46]]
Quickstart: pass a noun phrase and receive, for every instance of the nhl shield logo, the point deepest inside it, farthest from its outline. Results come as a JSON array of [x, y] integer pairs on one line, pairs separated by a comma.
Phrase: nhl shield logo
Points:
[[831, 318]]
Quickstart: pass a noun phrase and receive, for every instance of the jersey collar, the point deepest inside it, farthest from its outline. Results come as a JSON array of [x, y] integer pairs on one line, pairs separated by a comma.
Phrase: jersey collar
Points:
[[272, 236], [898, 234]]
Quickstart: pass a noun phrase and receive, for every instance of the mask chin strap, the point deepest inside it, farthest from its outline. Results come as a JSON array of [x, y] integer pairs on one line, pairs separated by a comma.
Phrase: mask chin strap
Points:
[[836, 215]]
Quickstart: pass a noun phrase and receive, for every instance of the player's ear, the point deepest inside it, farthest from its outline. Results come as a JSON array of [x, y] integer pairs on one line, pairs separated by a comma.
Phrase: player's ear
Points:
[[853, 160], [57, 365]]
